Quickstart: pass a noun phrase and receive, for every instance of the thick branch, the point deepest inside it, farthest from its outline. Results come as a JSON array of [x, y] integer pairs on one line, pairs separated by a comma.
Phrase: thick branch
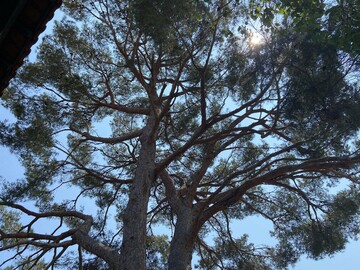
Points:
[[113, 140], [125, 109], [111, 256], [223, 200], [170, 190]]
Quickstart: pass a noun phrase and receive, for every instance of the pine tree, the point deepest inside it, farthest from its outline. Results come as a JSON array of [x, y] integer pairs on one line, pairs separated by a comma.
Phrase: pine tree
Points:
[[139, 115]]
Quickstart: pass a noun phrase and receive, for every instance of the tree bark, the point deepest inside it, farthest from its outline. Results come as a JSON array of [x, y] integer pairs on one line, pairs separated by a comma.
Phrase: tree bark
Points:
[[182, 244], [133, 250]]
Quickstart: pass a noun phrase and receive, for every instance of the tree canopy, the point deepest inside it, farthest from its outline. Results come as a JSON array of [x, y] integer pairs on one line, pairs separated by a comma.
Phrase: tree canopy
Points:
[[145, 116]]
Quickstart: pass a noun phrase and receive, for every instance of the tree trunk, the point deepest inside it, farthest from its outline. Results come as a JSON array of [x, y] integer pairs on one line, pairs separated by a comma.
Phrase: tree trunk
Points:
[[133, 250], [182, 244]]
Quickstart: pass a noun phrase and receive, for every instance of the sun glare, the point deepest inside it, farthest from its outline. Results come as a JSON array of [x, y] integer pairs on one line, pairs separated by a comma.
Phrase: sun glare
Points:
[[256, 39]]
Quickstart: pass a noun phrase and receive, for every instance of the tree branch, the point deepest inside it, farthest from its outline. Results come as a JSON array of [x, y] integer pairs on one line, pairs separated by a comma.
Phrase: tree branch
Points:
[[114, 140], [223, 200]]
